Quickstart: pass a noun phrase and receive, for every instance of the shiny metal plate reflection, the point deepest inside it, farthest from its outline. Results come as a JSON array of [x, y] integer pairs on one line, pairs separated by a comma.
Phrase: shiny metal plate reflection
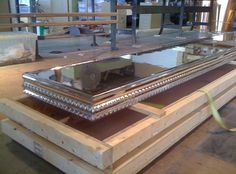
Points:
[[95, 89]]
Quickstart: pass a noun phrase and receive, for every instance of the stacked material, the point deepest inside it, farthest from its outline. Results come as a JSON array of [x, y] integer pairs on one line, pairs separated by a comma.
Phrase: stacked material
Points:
[[96, 89], [17, 47]]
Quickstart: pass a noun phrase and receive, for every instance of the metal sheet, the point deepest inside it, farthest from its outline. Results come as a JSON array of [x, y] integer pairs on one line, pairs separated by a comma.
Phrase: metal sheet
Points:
[[95, 89]]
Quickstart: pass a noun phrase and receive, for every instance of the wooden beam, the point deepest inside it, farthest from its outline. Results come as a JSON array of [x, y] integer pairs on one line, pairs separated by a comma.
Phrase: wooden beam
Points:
[[69, 36], [50, 152], [29, 15], [69, 23], [154, 147], [146, 109], [119, 7], [2, 117], [128, 140], [165, 9], [132, 162], [88, 148]]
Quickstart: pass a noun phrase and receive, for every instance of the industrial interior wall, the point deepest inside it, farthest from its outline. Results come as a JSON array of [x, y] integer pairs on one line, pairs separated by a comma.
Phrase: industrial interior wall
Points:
[[4, 8], [45, 5], [58, 6], [63, 6]]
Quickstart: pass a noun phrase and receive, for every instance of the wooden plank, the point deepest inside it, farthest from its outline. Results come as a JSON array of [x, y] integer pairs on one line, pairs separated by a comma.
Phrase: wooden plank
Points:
[[88, 148], [166, 9], [50, 152], [143, 155], [128, 140], [15, 15], [118, 7], [148, 109], [2, 117], [69, 36], [133, 162], [69, 23]]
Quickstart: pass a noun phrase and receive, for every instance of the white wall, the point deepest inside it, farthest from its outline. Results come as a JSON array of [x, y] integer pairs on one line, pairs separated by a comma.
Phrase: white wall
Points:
[[55, 6], [45, 5]]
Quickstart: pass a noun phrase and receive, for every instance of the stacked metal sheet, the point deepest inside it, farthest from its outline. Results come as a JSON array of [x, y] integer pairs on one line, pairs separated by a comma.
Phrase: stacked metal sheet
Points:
[[96, 89]]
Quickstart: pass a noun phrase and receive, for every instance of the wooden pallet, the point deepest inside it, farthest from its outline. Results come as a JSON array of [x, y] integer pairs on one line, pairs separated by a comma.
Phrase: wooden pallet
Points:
[[123, 143]]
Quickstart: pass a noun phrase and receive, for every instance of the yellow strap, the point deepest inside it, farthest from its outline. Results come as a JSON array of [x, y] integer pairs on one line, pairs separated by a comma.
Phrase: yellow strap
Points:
[[215, 112]]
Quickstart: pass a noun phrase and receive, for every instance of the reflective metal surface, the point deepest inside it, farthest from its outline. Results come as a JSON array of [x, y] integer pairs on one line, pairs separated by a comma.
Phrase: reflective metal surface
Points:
[[98, 88]]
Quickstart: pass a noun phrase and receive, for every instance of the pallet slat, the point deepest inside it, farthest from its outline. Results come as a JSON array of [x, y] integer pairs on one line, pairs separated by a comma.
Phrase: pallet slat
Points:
[[88, 148], [131, 163], [55, 155], [129, 139], [148, 109], [29, 15], [69, 23], [136, 160]]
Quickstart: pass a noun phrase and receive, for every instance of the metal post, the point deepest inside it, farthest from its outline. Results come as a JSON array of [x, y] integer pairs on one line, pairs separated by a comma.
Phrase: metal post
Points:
[[113, 26], [194, 14], [94, 35], [37, 50], [181, 18], [162, 18], [18, 11], [134, 20], [33, 10], [9, 11], [210, 14], [68, 9], [33, 19], [218, 17]]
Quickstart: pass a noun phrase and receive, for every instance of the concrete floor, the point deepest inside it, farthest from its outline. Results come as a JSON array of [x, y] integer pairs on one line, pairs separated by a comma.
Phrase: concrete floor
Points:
[[76, 44]]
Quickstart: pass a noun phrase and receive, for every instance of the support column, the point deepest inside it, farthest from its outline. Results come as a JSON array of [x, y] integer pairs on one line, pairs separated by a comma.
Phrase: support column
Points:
[[33, 10], [113, 26], [94, 35], [181, 18], [134, 20], [194, 14], [162, 18], [18, 11], [210, 15]]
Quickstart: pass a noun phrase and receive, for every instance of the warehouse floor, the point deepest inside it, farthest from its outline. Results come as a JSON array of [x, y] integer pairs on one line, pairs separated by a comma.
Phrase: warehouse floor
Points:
[[208, 149]]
